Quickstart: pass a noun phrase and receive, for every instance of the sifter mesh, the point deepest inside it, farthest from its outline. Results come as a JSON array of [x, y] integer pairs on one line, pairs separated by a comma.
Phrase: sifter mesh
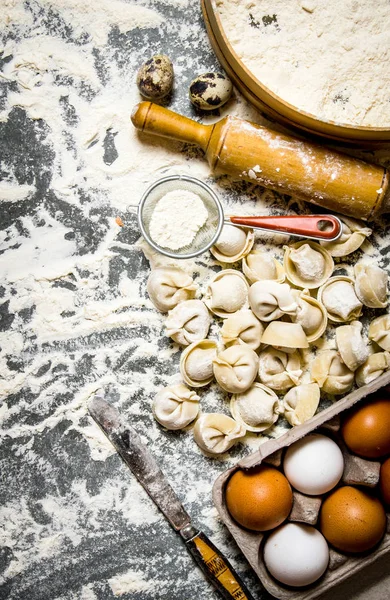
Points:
[[205, 237]]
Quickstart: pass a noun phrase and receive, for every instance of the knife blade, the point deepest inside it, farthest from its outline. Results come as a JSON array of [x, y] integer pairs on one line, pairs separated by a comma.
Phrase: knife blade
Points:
[[143, 465], [129, 446]]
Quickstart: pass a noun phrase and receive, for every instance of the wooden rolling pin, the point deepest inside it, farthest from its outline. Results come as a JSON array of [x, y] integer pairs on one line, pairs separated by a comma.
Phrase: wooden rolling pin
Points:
[[289, 165]]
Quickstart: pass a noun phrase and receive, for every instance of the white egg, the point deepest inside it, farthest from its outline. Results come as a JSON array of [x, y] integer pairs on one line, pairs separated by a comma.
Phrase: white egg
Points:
[[314, 464], [296, 554]]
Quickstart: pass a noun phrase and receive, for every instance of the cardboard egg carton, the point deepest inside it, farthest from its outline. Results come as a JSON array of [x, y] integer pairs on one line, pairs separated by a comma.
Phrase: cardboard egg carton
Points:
[[357, 471]]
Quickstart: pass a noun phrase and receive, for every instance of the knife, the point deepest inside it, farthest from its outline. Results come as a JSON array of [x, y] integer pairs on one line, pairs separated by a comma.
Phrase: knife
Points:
[[142, 463]]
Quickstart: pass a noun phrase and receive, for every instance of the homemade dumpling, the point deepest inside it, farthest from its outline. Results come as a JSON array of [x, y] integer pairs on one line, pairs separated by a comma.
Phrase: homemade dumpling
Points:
[[216, 433], [233, 244], [371, 285], [379, 331], [352, 237], [258, 266], [175, 406], [242, 327], [235, 368], [227, 293], [188, 322], [301, 402], [270, 300], [353, 349], [257, 409], [307, 264], [196, 363], [340, 300], [375, 365], [310, 314], [167, 286], [279, 370], [331, 374], [284, 336]]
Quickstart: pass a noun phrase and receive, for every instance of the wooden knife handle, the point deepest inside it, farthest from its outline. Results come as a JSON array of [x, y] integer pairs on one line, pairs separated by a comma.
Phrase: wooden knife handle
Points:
[[217, 568]]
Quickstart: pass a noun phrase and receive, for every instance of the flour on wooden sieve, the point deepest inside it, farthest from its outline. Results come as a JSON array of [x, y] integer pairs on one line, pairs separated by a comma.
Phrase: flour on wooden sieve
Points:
[[329, 59]]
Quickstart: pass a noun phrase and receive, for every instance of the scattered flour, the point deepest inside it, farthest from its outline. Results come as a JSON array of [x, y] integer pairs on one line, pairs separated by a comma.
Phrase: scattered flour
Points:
[[128, 582], [9, 192], [177, 218], [87, 593], [328, 58]]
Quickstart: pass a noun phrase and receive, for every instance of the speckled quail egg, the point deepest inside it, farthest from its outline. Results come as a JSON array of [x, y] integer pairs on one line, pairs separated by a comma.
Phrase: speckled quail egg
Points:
[[210, 90], [155, 77]]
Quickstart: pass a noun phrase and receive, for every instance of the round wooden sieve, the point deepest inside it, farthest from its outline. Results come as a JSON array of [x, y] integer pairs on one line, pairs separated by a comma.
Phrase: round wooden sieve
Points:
[[271, 104]]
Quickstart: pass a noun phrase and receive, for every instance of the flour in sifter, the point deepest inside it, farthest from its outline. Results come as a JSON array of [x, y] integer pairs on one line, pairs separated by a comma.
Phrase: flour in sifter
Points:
[[177, 218]]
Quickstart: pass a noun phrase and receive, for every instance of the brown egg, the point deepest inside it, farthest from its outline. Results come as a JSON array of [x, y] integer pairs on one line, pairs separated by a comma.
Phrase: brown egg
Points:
[[260, 498], [384, 481], [366, 430], [352, 520]]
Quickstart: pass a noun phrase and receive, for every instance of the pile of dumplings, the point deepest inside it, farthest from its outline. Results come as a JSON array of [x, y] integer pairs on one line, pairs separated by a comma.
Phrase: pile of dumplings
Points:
[[273, 320]]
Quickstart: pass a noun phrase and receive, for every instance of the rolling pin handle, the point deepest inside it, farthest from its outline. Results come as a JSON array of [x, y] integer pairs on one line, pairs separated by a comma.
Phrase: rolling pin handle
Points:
[[318, 227], [153, 118]]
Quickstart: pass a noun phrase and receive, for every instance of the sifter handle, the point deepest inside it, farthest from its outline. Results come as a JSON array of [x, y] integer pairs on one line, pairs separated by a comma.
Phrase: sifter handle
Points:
[[318, 227]]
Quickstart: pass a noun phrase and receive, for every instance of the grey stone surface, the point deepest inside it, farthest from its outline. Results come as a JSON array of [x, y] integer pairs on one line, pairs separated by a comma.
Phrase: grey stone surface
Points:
[[51, 491]]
